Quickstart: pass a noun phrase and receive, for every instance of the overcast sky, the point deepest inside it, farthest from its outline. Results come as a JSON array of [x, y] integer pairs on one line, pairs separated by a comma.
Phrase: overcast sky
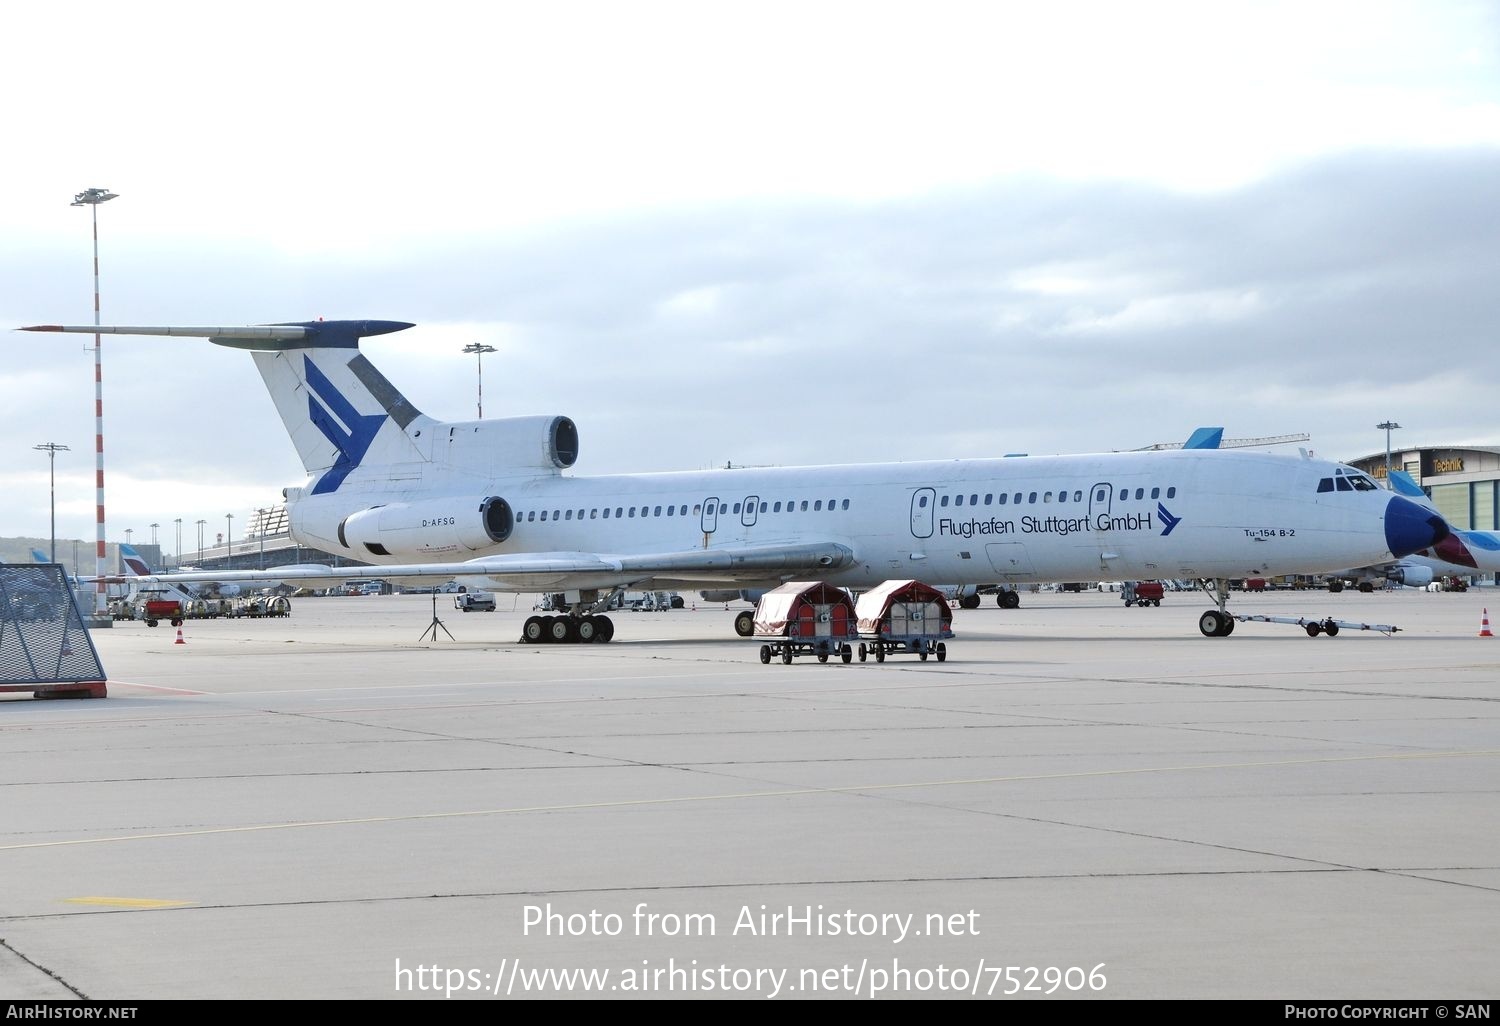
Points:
[[768, 233]]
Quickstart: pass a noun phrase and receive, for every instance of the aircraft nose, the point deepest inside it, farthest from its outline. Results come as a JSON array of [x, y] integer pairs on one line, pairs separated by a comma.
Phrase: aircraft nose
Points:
[[1410, 528]]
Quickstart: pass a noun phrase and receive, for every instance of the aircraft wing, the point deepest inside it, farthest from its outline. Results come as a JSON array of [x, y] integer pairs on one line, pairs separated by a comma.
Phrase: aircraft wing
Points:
[[531, 571]]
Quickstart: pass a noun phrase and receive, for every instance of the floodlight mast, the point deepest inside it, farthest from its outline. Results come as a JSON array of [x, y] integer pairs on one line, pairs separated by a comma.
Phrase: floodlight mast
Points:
[[91, 198]]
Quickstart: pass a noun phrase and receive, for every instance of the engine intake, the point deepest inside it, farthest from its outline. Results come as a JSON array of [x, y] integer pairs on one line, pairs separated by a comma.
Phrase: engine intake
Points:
[[433, 527], [496, 448]]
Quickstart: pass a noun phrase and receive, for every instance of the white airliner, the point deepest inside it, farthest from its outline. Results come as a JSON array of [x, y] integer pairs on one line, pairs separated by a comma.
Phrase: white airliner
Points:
[[491, 503]]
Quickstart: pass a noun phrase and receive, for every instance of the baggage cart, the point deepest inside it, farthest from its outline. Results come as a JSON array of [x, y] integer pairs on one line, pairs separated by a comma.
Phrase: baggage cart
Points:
[[806, 618], [904, 616]]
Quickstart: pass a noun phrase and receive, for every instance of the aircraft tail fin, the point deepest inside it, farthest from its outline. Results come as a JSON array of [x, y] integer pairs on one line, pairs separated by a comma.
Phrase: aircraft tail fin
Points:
[[39, 556], [338, 409], [133, 561], [1403, 483], [1205, 438]]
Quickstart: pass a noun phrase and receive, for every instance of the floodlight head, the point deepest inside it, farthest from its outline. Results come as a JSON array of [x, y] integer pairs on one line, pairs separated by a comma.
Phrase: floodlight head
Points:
[[93, 197]]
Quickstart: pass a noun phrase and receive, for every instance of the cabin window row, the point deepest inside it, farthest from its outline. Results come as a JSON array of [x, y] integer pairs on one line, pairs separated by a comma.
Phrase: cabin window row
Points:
[[681, 510], [1062, 496]]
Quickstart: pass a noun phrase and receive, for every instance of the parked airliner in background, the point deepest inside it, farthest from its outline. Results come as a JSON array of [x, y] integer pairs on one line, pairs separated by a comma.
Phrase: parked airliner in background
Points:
[[490, 502], [1460, 554], [140, 572]]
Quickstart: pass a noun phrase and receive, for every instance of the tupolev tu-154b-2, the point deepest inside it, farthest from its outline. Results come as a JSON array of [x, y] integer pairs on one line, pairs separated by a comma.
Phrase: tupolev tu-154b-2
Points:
[[496, 504]]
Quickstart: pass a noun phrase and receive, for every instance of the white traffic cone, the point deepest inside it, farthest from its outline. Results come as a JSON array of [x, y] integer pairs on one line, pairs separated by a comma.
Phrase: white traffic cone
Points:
[[1484, 625], [179, 640]]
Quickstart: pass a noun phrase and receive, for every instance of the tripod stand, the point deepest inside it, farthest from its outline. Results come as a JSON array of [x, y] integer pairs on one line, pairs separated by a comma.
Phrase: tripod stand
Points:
[[432, 628]]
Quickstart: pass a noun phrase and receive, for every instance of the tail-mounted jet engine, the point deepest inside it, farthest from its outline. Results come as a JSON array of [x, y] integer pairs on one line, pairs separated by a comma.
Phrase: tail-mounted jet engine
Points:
[[432, 525]]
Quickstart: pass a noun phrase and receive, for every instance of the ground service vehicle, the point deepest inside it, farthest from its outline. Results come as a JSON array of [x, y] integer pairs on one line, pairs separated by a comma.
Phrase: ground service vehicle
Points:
[[1142, 593], [806, 618], [904, 616]]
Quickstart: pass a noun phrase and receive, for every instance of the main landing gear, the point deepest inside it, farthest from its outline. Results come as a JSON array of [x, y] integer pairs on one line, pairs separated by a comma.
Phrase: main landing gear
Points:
[[567, 629], [581, 624], [1216, 623]]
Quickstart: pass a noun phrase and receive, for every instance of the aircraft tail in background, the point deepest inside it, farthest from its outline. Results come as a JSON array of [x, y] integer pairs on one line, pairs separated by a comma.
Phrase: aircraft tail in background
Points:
[[133, 562]]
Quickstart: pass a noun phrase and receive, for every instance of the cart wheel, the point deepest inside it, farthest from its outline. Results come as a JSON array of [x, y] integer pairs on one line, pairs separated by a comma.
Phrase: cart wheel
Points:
[[1314, 629], [846, 653], [765, 653], [822, 657], [1330, 628], [786, 654], [879, 652], [942, 651], [922, 655], [863, 651]]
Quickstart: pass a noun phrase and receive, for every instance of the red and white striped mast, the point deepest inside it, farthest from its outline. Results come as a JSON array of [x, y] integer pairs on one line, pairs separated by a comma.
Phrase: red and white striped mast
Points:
[[92, 198]]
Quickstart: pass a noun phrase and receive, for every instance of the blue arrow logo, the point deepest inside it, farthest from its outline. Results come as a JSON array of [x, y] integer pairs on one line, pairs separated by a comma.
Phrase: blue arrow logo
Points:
[[352, 438], [1167, 519]]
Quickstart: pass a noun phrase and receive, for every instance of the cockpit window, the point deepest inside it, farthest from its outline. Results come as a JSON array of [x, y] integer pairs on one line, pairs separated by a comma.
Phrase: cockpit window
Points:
[[1348, 481]]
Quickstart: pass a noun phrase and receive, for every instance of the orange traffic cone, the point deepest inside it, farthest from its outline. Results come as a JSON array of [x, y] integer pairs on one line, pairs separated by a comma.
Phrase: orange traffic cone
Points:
[[1484, 625], [179, 640]]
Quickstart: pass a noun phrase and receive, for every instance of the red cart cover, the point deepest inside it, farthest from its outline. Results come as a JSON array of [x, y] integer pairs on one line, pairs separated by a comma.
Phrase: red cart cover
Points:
[[875, 606], [805, 609]]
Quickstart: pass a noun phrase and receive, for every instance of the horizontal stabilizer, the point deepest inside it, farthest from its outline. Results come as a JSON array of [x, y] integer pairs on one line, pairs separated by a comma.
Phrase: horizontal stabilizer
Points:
[[295, 335]]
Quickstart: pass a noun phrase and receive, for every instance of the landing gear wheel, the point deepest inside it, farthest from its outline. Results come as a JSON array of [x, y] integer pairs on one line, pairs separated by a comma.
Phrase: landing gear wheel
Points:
[[586, 629], [562, 630], [846, 653], [1335, 586], [1212, 624], [863, 651], [1008, 600], [606, 630], [765, 653], [942, 652], [744, 623], [1229, 623], [969, 602]]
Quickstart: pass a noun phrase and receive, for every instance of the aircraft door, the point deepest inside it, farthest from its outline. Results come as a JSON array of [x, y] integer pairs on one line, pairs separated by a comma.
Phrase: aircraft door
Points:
[[1100, 497], [710, 515], [923, 500], [752, 503]]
